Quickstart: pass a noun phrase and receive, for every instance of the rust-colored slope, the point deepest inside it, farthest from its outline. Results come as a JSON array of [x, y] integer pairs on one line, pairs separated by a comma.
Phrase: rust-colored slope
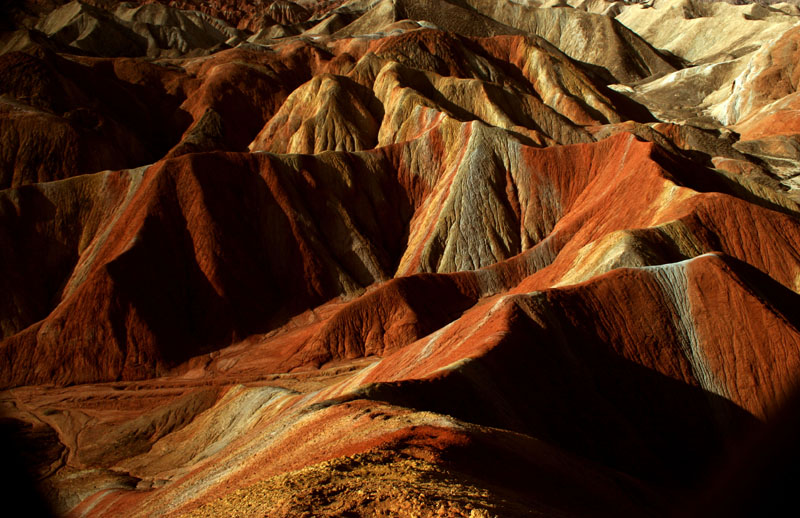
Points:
[[390, 257], [430, 460], [551, 363], [221, 103], [668, 223], [404, 90], [392, 316], [177, 214], [554, 364]]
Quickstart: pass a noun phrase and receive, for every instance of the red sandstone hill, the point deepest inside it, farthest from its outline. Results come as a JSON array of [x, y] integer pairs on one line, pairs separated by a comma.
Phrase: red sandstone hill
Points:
[[350, 258]]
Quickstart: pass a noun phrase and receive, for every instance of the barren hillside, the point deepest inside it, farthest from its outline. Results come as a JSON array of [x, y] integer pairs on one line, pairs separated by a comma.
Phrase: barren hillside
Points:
[[400, 257]]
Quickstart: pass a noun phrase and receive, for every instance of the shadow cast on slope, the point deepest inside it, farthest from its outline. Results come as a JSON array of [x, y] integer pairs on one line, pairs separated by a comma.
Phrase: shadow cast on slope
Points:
[[759, 478], [202, 276], [37, 264], [18, 474], [703, 179], [586, 400]]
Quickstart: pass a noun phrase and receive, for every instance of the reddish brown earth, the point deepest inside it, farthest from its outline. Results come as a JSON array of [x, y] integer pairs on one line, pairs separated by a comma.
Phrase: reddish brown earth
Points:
[[378, 258]]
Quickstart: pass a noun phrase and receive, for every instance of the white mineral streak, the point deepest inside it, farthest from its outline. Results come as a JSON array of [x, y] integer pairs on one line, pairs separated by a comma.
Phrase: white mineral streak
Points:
[[89, 253], [219, 431], [673, 280]]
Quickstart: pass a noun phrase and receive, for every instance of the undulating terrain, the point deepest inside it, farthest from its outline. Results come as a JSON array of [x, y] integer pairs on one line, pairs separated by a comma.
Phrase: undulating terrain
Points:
[[461, 258]]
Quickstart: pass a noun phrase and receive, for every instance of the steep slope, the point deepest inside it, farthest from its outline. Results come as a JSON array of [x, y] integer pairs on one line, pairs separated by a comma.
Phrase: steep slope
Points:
[[176, 209], [358, 258], [575, 334]]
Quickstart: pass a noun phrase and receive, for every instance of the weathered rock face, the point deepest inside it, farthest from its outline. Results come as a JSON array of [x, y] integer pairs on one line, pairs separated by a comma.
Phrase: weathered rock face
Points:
[[354, 258]]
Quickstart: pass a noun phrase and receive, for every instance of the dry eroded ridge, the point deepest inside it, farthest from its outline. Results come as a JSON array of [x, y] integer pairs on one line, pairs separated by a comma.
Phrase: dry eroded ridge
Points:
[[465, 258]]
